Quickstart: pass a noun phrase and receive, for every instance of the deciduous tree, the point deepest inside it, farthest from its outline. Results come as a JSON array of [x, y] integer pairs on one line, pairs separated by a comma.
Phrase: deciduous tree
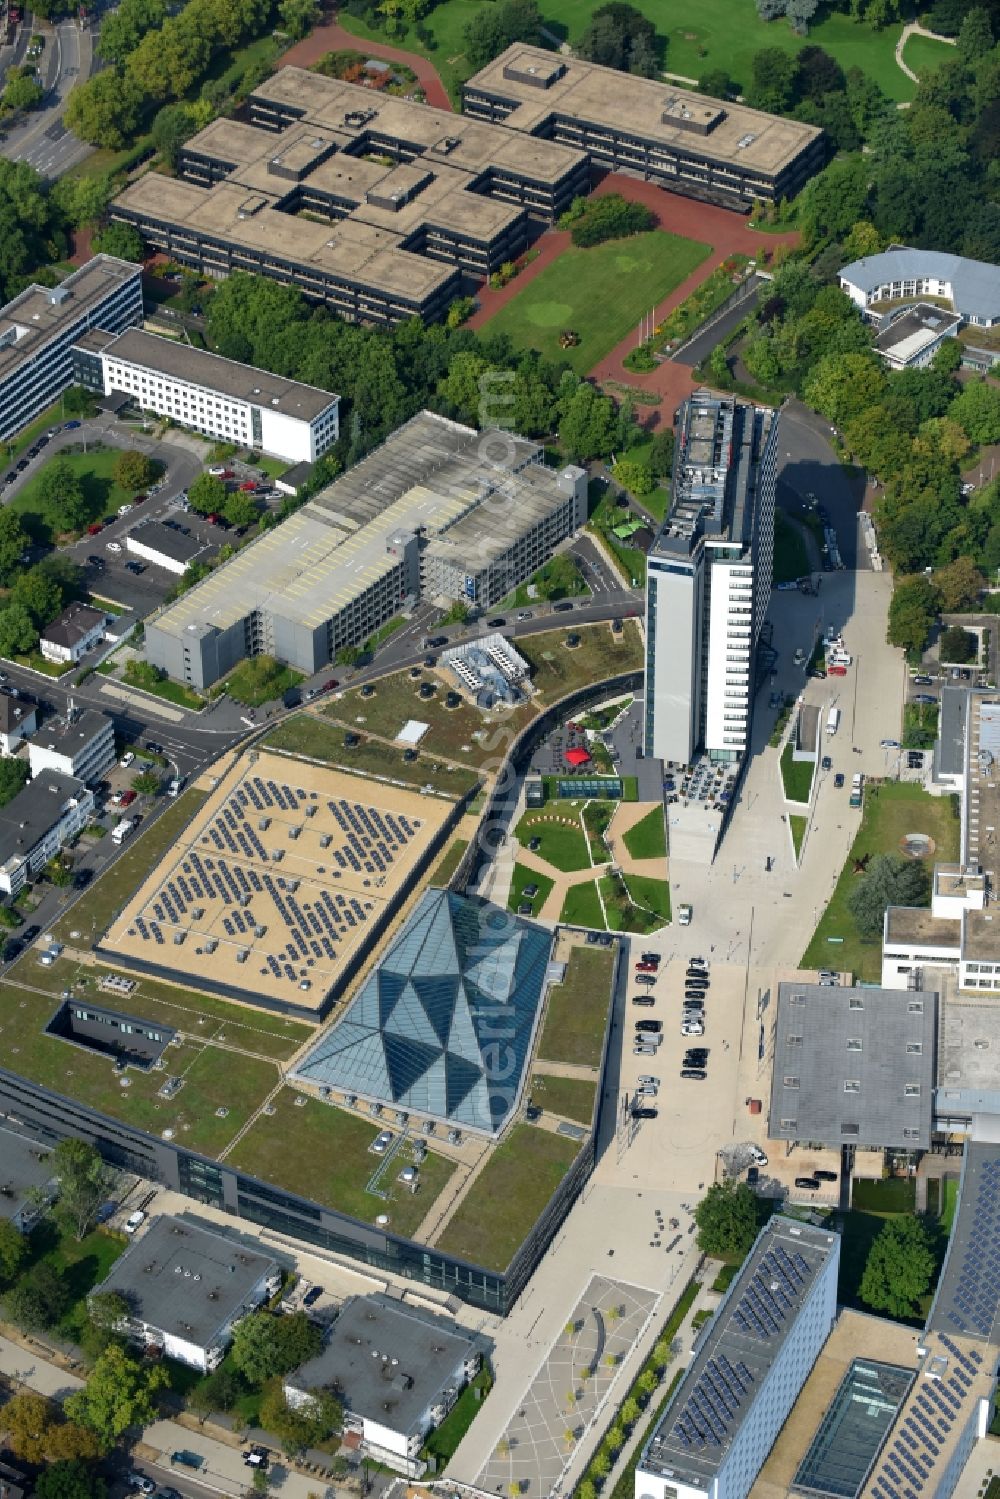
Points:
[[71, 1479], [13, 1251], [959, 585], [120, 1393], [13, 540], [727, 1219], [264, 1346], [899, 1268], [83, 1184]]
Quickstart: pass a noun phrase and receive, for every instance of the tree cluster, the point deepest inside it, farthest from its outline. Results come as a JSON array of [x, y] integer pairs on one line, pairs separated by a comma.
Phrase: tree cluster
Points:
[[611, 217], [619, 36], [798, 12], [120, 1393], [493, 27], [727, 1220], [29, 221], [38, 1433], [38, 594], [900, 1267], [889, 880], [265, 1346]]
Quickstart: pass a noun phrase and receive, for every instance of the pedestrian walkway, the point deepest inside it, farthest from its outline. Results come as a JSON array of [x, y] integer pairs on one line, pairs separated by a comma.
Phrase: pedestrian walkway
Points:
[[915, 29]]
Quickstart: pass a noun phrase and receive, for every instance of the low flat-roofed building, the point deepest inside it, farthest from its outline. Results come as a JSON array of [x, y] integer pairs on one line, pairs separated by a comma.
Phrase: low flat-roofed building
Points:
[[909, 338], [165, 547], [900, 274], [373, 204], [75, 632], [345, 563], [186, 1287], [968, 1046], [398, 1370], [40, 326], [853, 1066], [35, 824], [27, 1180], [950, 745], [722, 152], [81, 743], [18, 721], [749, 1364], [218, 397], [967, 1300]]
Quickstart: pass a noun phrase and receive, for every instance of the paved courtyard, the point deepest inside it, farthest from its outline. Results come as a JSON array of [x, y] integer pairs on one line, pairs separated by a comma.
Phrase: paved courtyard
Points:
[[568, 1389]]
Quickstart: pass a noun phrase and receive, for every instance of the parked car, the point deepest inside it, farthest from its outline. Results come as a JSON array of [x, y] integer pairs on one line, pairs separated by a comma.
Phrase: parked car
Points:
[[133, 1222], [922, 681], [113, 546], [694, 1074], [126, 760], [692, 1028], [643, 999], [71, 426], [650, 957], [312, 1296], [331, 685], [825, 1176], [496, 624], [128, 797], [525, 614], [124, 509], [808, 1183], [923, 697], [97, 563], [759, 1156], [562, 606], [141, 1482], [644, 1113], [838, 780], [219, 471], [653, 1026], [30, 933], [753, 1176], [826, 763]]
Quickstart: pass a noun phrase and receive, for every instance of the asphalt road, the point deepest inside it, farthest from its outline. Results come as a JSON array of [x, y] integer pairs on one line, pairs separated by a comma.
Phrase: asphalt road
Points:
[[808, 465], [43, 140]]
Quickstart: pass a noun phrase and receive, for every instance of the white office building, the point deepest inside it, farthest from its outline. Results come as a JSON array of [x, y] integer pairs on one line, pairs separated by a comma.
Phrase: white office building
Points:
[[900, 274], [39, 328], [222, 399], [186, 1288], [80, 744], [748, 1367], [35, 825], [708, 582]]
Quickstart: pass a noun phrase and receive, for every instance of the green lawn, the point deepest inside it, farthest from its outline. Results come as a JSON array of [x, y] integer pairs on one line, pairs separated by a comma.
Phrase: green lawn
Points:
[[255, 681], [443, 1441], [562, 843], [635, 903], [508, 1196], [895, 1194], [891, 810], [523, 876], [332, 1162], [81, 1266], [569, 1097], [571, 587], [102, 495], [873, 1203], [171, 692], [447, 24], [463, 733], [796, 775], [727, 33], [596, 819], [582, 906], [648, 838], [92, 913], [949, 1203], [923, 55], [791, 560], [798, 827], [577, 1009], [557, 671], [572, 293], [305, 734], [450, 861]]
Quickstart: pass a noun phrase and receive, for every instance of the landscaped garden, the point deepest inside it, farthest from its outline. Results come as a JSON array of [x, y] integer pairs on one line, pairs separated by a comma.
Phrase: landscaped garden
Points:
[[561, 840], [582, 906], [260, 679], [572, 294], [892, 809], [796, 775], [647, 839], [577, 1009], [635, 903], [524, 880]]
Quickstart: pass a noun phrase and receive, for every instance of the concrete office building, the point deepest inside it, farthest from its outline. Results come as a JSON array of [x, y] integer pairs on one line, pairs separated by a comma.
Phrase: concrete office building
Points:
[[39, 327], [375, 205], [909, 337], [224, 400], [80, 744], [853, 1066], [50, 811], [18, 721], [186, 1287], [397, 1369], [701, 147], [708, 581], [383, 534], [749, 1364], [27, 1180]]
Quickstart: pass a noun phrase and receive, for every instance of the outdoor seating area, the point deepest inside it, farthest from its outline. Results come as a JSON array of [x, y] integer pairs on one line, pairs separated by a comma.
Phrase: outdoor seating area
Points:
[[704, 783]]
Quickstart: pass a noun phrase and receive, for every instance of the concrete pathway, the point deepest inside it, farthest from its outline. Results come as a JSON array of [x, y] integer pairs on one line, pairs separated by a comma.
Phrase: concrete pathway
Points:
[[913, 28]]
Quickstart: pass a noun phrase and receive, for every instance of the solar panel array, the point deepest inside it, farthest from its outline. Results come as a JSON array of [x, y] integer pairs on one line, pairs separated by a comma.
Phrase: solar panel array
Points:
[[976, 1296], [940, 1403], [771, 1294], [370, 842], [714, 1402]]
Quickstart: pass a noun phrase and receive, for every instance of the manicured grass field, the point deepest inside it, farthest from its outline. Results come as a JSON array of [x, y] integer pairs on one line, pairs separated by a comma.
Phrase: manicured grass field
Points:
[[791, 560], [508, 1196], [103, 496], [798, 827], [331, 1162], [796, 775], [577, 1009], [450, 861], [569, 1097], [727, 33], [646, 911], [572, 293], [304, 734], [891, 810], [582, 906], [524, 876], [93, 911], [557, 671], [923, 55], [562, 844], [648, 838]]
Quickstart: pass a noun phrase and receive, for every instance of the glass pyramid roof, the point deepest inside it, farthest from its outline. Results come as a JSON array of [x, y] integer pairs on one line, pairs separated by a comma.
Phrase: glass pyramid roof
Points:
[[443, 1025]]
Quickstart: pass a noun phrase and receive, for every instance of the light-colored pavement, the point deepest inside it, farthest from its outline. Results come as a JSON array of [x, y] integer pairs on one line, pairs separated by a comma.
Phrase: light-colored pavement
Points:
[[24, 1366], [914, 29], [43, 140]]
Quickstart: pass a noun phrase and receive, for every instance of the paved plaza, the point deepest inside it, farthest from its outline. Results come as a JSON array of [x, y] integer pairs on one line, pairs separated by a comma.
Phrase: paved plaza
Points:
[[569, 1388]]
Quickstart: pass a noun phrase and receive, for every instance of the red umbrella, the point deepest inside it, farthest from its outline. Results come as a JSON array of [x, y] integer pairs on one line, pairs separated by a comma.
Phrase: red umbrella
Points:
[[577, 757]]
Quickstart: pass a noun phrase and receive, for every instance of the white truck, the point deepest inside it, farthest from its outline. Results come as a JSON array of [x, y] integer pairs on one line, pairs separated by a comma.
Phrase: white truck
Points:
[[122, 831], [684, 915], [833, 721]]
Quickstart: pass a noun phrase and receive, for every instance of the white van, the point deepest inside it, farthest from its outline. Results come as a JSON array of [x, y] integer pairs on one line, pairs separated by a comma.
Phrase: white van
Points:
[[122, 831], [833, 721], [174, 789]]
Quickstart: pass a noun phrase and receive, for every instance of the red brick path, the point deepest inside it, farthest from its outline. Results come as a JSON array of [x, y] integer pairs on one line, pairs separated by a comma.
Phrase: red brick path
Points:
[[331, 37], [725, 231], [81, 242]]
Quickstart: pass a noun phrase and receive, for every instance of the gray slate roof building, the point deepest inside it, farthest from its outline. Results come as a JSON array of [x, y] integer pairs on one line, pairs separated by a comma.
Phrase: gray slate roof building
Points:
[[972, 285], [154, 536], [422, 1031], [390, 1362], [185, 1280], [949, 753], [968, 1293], [853, 1066], [73, 625]]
